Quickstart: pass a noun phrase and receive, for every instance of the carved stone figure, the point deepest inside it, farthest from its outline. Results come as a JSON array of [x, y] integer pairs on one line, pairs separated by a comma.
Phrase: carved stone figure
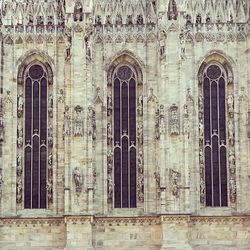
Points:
[[231, 132], [230, 105], [157, 179], [50, 106], [66, 123], [186, 122], [61, 97], [19, 191], [1, 180], [19, 135], [1, 128], [201, 156], [201, 131], [140, 188], [68, 45], [140, 105], [109, 105], [20, 105], [174, 121], [50, 163], [232, 188], [231, 160], [140, 162], [157, 125], [110, 188], [175, 182], [162, 127], [78, 127], [248, 125], [110, 161], [50, 135], [109, 134], [19, 167], [78, 179], [202, 190], [49, 188], [140, 133], [201, 107]]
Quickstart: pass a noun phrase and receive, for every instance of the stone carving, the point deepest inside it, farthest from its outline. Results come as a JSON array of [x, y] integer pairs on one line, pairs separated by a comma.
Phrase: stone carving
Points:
[[157, 179], [1, 180], [140, 105], [160, 122], [248, 125], [50, 135], [109, 134], [140, 188], [175, 182], [109, 105], [50, 163], [140, 162], [172, 10], [231, 132], [110, 188], [151, 96], [230, 105], [19, 167], [1, 129], [78, 126], [49, 188], [232, 188], [20, 105], [202, 190], [19, 135], [78, 12], [231, 160], [140, 133], [78, 180], [61, 96], [201, 107], [174, 121], [19, 191], [91, 123], [50, 106], [186, 122], [110, 161], [68, 45], [66, 123], [98, 98]]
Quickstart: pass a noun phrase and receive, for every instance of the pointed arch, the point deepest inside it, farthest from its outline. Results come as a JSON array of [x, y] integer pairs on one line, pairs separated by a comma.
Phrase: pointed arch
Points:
[[125, 132], [216, 131]]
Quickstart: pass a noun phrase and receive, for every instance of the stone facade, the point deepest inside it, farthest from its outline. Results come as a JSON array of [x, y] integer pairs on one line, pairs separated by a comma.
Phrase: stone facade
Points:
[[168, 44]]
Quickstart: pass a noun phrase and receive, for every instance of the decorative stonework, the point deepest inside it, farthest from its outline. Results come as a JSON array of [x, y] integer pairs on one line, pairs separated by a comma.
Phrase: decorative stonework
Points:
[[78, 180], [175, 182], [174, 125], [78, 122]]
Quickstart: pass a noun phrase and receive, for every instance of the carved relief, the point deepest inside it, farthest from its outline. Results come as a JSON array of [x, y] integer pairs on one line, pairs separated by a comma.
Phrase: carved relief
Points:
[[50, 135], [91, 123], [160, 122], [140, 105], [140, 133], [110, 161], [174, 121], [19, 135], [157, 179], [50, 106], [66, 122], [232, 189], [109, 134], [109, 105], [49, 188], [175, 178], [19, 191], [20, 105], [78, 179], [19, 167], [110, 188], [78, 123], [140, 188]]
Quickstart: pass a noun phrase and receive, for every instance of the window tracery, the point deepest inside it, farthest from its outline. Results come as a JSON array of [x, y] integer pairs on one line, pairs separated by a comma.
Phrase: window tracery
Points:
[[125, 140], [216, 137], [34, 138]]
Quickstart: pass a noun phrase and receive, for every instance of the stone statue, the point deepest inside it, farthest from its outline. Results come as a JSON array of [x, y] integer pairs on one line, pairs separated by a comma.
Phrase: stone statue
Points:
[[140, 187], [110, 161], [68, 45], [231, 132], [140, 133], [49, 188], [230, 105], [19, 191], [50, 106], [1, 180], [78, 127], [232, 188], [50, 163], [20, 105], [110, 188], [66, 123], [109, 105], [61, 97], [248, 125], [109, 134], [140, 162], [174, 121], [202, 191], [19, 135], [19, 168], [175, 182], [78, 179], [140, 105], [231, 160], [50, 134], [157, 179], [1, 128]]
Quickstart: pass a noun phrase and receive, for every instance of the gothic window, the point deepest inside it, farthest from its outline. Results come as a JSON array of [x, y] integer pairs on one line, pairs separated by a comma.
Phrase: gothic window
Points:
[[34, 142], [124, 144], [214, 120]]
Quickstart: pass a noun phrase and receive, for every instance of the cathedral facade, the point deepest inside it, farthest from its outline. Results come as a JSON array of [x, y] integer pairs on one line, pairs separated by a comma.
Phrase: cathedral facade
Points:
[[124, 124]]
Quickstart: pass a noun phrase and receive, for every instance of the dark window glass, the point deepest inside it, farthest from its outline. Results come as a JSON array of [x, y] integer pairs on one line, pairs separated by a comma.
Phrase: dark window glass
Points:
[[215, 137], [124, 90], [35, 152]]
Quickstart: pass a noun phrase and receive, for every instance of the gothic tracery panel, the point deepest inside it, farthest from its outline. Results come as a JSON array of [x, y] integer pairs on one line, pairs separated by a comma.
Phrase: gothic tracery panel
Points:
[[34, 138], [125, 186], [216, 138]]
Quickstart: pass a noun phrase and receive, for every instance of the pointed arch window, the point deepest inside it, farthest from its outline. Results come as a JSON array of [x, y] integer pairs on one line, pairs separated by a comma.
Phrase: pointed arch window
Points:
[[124, 146], [35, 142], [213, 136]]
